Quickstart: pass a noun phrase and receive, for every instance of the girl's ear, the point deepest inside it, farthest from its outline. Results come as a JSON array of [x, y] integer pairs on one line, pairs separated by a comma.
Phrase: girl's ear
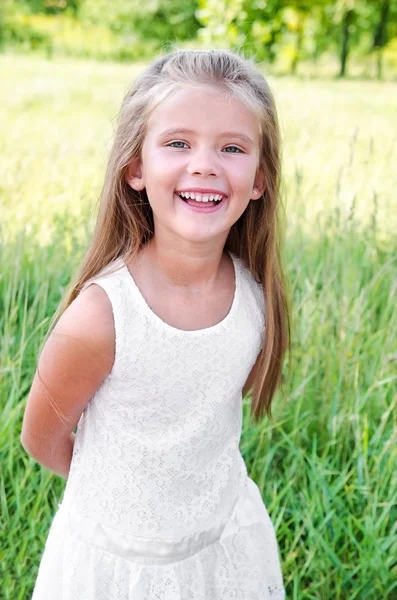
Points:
[[259, 185], [134, 175]]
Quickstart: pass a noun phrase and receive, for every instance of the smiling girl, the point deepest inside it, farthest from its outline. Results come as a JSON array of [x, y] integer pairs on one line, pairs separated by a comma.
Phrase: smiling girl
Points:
[[178, 309]]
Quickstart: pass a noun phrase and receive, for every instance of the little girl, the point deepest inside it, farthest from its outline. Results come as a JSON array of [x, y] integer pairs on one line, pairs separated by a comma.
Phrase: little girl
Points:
[[161, 334]]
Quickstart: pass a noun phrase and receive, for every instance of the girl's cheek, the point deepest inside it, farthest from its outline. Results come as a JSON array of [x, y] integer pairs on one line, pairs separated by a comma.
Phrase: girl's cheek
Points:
[[165, 161]]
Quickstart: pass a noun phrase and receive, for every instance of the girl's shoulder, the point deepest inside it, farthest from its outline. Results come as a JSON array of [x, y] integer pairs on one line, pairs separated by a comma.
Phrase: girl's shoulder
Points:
[[97, 300], [110, 294]]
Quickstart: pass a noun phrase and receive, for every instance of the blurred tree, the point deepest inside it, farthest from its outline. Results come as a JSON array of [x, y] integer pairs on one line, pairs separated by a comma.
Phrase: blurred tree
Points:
[[359, 19], [347, 11], [4, 10], [49, 6], [254, 26], [306, 28], [385, 16], [168, 20], [295, 16], [158, 20], [222, 22], [291, 30], [265, 26]]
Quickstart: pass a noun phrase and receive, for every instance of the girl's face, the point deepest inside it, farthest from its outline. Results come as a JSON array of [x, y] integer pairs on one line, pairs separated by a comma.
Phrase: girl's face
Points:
[[199, 142]]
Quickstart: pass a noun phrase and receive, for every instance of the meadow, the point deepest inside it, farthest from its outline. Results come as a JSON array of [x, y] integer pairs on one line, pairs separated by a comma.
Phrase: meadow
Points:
[[326, 462]]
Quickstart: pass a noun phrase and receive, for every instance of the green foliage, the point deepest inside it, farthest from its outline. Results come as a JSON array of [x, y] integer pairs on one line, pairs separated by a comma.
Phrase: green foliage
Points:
[[288, 32], [117, 30], [326, 464], [118, 15], [5, 10], [47, 6], [169, 21], [221, 20], [28, 31], [159, 20], [68, 36], [283, 34]]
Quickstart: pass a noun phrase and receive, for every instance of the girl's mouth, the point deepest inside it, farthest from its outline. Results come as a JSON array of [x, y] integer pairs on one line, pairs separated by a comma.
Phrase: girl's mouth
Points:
[[200, 204]]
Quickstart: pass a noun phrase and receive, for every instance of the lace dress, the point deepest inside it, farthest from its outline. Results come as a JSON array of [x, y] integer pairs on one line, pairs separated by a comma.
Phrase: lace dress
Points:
[[158, 504]]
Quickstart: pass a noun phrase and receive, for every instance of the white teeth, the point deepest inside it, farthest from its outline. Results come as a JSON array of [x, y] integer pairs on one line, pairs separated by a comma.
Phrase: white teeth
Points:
[[201, 197]]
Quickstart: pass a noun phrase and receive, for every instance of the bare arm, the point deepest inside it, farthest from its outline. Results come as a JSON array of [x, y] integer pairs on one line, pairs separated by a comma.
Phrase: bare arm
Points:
[[75, 360]]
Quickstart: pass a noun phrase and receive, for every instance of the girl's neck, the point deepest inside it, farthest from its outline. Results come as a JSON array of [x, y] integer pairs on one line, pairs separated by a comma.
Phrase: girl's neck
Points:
[[186, 270]]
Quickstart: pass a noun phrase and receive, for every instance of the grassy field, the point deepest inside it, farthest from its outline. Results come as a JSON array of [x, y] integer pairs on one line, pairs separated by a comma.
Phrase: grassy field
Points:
[[326, 463]]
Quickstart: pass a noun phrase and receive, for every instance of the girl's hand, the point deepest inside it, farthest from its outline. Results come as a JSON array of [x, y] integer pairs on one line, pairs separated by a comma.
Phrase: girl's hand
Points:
[[74, 362]]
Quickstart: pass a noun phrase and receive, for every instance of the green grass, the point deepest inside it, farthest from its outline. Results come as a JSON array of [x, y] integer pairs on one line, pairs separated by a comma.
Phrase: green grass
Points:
[[326, 463]]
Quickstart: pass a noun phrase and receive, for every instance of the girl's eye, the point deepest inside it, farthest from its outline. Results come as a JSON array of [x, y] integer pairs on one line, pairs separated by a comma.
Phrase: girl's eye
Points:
[[233, 149], [181, 146]]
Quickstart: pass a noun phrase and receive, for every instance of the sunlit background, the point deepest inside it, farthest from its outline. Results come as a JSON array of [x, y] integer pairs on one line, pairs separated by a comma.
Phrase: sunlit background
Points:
[[326, 463]]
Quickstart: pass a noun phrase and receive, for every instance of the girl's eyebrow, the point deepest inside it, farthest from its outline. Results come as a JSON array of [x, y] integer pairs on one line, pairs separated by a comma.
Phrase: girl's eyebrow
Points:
[[181, 130]]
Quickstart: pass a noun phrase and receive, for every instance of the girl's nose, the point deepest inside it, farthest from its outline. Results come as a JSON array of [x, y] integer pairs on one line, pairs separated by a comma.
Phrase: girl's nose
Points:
[[203, 163]]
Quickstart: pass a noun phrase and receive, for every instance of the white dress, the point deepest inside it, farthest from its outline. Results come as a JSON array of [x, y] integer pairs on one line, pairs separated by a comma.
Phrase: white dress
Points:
[[158, 504]]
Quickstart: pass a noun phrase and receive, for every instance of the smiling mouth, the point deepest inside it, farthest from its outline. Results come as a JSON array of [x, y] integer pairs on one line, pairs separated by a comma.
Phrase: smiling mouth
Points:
[[198, 199]]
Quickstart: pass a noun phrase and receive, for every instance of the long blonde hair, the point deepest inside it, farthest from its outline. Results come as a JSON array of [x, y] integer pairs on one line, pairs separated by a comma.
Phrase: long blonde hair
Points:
[[125, 219]]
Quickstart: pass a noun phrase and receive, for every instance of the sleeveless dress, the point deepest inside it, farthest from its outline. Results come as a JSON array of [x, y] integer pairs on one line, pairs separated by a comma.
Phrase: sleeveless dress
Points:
[[158, 504]]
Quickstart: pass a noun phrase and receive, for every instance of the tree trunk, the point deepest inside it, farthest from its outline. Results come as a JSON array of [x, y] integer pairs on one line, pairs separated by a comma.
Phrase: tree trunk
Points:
[[298, 47], [379, 63], [347, 19], [380, 35]]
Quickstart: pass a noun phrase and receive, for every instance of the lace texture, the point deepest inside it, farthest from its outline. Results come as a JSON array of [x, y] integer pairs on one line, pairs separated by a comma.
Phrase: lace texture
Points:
[[158, 504]]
